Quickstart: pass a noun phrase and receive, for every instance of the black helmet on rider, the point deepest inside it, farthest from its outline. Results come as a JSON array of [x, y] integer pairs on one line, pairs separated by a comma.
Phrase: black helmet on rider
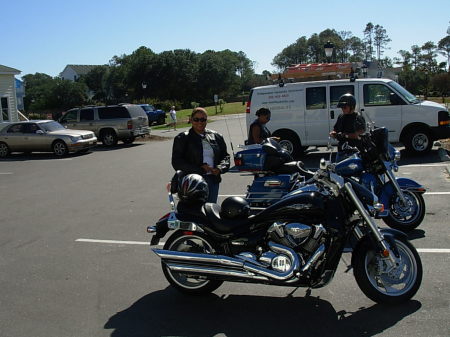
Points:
[[347, 100], [193, 188]]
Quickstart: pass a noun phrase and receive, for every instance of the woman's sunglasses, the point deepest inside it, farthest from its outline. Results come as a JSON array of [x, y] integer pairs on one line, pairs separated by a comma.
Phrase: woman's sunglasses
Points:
[[195, 119]]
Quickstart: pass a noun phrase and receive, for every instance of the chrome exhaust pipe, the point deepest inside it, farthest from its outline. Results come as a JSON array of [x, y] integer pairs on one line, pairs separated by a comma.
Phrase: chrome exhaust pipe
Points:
[[213, 263], [232, 273]]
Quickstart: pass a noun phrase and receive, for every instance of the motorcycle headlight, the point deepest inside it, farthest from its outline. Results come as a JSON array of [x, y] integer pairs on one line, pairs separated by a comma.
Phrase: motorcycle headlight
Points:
[[75, 138], [397, 155]]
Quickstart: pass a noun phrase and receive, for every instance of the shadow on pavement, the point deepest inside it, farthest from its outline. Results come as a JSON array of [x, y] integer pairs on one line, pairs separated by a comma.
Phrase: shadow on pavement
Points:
[[416, 234], [169, 313]]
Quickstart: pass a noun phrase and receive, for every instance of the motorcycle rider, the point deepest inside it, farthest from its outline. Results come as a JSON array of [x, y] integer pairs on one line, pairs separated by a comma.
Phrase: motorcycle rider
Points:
[[349, 125], [202, 151]]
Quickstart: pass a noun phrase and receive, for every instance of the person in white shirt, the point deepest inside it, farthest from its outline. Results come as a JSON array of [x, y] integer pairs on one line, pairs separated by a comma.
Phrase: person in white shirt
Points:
[[173, 118]]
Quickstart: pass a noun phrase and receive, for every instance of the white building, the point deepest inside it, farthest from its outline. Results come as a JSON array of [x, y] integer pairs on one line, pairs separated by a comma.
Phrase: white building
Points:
[[72, 72], [8, 98]]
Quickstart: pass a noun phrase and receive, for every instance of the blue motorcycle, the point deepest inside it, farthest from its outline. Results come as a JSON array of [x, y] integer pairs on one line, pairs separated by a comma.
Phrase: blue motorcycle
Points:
[[373, 166]]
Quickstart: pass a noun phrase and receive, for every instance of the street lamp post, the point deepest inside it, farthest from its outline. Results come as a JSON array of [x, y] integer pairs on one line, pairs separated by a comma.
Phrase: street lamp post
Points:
[[144, 86], [328, 50]]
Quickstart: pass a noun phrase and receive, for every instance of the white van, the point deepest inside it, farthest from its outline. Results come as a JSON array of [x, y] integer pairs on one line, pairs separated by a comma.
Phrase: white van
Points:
[[304, 113]]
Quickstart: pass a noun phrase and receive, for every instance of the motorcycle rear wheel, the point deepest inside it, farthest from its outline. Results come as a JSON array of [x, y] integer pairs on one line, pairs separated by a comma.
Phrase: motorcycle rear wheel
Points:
[[388, 286], [405, 218], [189, 284]]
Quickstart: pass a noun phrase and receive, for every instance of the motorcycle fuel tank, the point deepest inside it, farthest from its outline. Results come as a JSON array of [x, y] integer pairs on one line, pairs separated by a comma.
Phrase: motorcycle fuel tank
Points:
[[350, 167]]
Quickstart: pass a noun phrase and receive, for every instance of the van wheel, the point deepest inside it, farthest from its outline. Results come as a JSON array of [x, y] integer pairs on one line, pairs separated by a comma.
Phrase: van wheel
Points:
[[418, 141], [109, 138], [292, 145]]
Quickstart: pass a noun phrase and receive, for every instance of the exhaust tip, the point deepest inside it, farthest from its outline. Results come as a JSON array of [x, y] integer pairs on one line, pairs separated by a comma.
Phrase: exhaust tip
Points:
[[151, 229]]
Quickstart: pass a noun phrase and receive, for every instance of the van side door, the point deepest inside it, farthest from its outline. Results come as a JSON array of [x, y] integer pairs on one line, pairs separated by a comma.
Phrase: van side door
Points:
[[316, 115], [383, 107], [335, 92]]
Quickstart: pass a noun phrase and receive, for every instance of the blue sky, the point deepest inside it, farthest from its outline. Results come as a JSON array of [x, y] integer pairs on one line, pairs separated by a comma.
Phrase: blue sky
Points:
[[44, 36]]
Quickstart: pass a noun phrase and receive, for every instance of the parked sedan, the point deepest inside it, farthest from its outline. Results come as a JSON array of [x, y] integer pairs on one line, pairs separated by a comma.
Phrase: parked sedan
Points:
[[44, 136]]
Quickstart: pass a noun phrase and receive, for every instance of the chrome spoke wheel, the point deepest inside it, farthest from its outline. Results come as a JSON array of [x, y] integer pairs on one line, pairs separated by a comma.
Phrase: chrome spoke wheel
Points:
[[392, 280], [193, 244], [405, 212]]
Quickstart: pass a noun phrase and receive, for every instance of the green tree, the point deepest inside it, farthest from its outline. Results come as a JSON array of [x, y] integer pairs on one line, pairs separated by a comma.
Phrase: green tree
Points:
[[380, 40], [368, 41], [441, 83], [444, 49]]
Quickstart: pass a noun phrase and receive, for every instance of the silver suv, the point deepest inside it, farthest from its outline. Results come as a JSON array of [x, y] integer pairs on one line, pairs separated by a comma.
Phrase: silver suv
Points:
[[110, 123]]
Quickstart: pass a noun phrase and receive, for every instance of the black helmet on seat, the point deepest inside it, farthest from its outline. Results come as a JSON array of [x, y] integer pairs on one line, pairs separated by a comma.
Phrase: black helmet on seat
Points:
[[193, 188], [235, 207], [347, 100]]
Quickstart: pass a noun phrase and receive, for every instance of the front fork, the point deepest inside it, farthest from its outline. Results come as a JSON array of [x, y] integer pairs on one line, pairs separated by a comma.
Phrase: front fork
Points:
[[396, 185], [386, 251]]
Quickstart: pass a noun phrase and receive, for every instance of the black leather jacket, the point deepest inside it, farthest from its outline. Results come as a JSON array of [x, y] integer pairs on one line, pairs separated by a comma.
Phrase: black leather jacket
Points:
[[187, 152]]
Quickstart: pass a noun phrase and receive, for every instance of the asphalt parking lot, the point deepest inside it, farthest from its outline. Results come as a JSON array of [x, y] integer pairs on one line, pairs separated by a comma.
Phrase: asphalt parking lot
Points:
[[75, 260]]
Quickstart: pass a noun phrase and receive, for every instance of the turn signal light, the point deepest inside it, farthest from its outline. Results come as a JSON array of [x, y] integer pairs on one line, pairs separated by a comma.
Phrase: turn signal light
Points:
[[442, 123], [385, 253]]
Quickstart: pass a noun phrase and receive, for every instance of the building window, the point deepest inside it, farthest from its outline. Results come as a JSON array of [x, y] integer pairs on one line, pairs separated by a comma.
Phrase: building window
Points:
[[5, 108]]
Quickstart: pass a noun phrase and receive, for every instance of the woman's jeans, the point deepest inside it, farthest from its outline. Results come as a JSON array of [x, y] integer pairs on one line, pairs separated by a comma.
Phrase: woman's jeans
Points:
[[213, 188]]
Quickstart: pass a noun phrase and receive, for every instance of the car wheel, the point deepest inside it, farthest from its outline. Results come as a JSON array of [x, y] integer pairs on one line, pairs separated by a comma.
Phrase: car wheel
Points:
[[161, 120], [418, 141], [109, 138], [4, 150], [129, 140], [60, 148]]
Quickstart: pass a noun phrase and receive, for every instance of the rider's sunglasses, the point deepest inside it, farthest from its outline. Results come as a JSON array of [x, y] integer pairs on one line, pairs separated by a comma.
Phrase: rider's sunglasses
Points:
[[196, 119]]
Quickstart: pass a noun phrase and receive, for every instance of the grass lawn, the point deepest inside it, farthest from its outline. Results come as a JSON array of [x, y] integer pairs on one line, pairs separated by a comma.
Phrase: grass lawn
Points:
[[183, 115]]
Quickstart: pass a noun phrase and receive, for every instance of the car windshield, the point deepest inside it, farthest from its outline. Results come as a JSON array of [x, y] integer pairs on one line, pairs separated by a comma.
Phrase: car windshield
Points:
[[403, 92], [148, 107], [51, 126]]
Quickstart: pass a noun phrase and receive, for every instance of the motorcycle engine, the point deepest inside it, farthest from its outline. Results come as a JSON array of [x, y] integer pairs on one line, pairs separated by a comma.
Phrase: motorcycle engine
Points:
[[297, 235]]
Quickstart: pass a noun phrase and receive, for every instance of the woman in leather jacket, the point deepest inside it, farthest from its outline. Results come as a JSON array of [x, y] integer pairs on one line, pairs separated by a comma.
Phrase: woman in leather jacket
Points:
[[202, 151]]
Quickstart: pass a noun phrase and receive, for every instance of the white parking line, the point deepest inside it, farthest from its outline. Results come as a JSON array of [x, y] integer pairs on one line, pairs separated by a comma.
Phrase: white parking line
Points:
[[436, 193], [6, 173], [423, 165], [114, 242], [118, 242]]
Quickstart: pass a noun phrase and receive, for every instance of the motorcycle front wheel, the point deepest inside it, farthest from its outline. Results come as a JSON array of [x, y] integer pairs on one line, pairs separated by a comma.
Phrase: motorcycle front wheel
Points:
[[189, 284], [383, 284], [406, 217]]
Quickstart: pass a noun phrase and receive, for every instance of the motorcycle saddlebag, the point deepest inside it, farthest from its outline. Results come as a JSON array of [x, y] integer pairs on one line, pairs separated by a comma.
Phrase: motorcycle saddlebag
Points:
[[252, 158]]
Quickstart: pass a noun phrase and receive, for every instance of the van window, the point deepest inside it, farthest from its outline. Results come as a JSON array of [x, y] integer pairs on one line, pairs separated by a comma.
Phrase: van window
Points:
[[111, 112], [86, 115], [378, 94], [316, 98], [70, 116], [337, 91]]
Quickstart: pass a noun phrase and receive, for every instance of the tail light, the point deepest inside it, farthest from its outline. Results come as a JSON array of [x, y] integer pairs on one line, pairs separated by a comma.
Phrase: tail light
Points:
[[238, 161], [247, 109], [443, 118], [129, 124]]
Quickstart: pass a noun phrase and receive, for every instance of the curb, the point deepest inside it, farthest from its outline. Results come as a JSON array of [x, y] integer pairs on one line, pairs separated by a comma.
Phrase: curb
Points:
[[443, 154]]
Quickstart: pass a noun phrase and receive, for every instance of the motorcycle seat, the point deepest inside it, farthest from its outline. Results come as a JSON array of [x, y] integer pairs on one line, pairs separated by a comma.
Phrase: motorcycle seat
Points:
[[220, 224]]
